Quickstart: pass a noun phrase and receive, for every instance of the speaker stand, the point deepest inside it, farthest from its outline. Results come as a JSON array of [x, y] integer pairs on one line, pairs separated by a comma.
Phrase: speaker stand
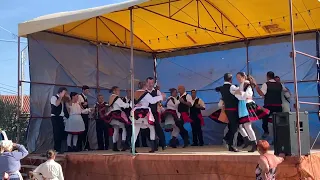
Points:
[[315, 140]]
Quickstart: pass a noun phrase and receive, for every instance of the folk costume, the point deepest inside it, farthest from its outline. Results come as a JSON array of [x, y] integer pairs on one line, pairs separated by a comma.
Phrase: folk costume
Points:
[[249, 111], [197, 122], [74, 125], [58, 114], [83, 138], [143, 117], [170, 117], [102, 128], [128, 126], [117, 119], [272, 91]]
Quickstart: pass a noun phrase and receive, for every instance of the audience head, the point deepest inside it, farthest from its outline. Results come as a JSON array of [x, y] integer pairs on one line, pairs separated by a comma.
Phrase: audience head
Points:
[[115, 90], [142, 85], [51, 154], [181, 89], [270, 75], [227, 77], [74, 96], [277, 78], [85, 89], [193, 93], [100, 98], [6, 146], [263, 146], [150, 83], [173, 92]]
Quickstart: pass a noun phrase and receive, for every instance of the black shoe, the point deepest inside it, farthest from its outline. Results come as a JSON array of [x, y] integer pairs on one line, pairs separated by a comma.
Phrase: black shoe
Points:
[[194, 144], [115, 147], [153, 146], [201, 144], [186, 143], [233, 149], [70, 149], [254, 146], [246, 142], [124, 146], [173, 142]]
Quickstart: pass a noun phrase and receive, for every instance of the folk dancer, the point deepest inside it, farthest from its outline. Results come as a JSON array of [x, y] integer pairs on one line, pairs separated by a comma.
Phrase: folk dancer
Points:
[[127, 99], [83, 100], [272, 93], [183, 108], [197, 119], [102, 128], [117, 118], [154, 109], [74, 125], [143, 115], [285, 97], [249, 111], [58, 113], [171, 116]]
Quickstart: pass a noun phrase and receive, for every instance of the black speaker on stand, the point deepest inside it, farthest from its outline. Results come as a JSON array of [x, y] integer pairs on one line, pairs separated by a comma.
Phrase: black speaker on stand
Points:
[[285, 133]]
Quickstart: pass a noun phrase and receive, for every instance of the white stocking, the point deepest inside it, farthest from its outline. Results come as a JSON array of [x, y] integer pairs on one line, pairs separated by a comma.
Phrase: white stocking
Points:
[[242, 131], [75, 140], [251, 134], [69, 140]]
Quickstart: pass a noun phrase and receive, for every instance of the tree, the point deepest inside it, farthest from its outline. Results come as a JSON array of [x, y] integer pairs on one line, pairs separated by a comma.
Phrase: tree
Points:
[[15, 128]]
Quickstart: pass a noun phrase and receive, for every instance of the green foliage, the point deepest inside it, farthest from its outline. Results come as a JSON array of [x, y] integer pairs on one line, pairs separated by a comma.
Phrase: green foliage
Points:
[[14, 128]]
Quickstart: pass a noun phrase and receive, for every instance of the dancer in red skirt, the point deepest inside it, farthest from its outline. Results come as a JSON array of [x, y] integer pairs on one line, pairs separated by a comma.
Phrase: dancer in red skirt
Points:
[[249, 111]]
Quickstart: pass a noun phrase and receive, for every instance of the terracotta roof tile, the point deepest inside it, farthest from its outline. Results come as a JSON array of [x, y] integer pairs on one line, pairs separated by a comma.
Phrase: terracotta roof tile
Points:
[[13, 99]]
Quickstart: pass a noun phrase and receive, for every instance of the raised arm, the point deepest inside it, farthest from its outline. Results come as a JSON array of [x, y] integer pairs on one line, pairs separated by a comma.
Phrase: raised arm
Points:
[[56, 101], [22, 152], [153, 100], [263, 90]]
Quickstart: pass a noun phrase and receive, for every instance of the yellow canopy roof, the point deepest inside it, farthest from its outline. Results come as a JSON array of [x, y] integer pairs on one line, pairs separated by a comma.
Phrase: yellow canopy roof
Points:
[[167, 25]]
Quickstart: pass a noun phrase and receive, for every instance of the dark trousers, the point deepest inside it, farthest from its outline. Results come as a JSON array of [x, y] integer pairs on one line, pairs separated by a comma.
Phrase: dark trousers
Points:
[[183, 132], [272, 109], [102, 129], [83, 138], [233, 125], [158, 129], [58, 131], [196, 131], [145, 134], [129, 136]]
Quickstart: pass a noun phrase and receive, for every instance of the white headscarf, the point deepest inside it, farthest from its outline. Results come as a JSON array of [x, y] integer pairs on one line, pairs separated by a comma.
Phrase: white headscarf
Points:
[[6, 144]]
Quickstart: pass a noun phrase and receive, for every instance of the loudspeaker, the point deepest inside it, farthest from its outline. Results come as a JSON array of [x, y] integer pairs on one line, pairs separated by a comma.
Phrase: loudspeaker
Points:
[[285, 133]]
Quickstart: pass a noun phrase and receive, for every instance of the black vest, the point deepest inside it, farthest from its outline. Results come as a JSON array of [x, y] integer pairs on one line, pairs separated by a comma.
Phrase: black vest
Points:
[[182, 107], [154, 107], [193, 110], [230, 101], [126, 110], [274, 92], [56, 110], [85, 100]]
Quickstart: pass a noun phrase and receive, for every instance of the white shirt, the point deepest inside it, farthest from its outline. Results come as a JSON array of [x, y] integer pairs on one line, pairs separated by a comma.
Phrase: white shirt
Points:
[[245, 95], [148, 99], [75, 109], [158, 92], [50, 170], [118, 104], [233, 88], [200, 102], [171, 105], [53, 102], [81, 100], [188, 97], [264, 87]]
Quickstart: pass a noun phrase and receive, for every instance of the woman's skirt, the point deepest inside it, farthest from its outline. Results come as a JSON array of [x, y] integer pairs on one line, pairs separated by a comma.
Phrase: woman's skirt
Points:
[[169, 112], [143, 113], [219, 116], [74, 124], [117, 115], [255, 111]]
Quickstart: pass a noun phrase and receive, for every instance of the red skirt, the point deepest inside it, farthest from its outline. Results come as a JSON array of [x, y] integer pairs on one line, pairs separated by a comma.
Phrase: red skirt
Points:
[[142, 113], [256, 112], [75, 133], [116, 115], [218, 117], [168, 112]]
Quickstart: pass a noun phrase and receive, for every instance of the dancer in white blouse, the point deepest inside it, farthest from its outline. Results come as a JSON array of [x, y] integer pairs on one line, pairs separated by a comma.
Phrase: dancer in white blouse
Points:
[[171, 115], [117, 118], [142, 113], [248, 110], [74, 124]]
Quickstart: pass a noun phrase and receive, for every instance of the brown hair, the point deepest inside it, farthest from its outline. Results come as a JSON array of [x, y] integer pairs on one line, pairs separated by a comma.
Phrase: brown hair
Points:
[[141, 84], [50, 154]]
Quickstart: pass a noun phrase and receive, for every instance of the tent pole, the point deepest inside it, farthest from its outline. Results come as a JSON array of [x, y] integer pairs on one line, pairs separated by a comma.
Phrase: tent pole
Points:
[[19, 85], [293, 55], [132, 82], [247, 54], [155, 67]]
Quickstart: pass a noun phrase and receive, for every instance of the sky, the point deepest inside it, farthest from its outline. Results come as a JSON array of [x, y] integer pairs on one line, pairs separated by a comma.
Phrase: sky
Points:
[[12, 12]]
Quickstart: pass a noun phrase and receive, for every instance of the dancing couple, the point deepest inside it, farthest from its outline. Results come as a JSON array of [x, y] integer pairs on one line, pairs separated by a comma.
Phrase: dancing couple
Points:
[[240, 110]]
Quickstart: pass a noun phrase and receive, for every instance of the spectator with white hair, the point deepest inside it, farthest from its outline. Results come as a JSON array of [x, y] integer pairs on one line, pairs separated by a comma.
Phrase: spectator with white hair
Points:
[[10, 160]]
